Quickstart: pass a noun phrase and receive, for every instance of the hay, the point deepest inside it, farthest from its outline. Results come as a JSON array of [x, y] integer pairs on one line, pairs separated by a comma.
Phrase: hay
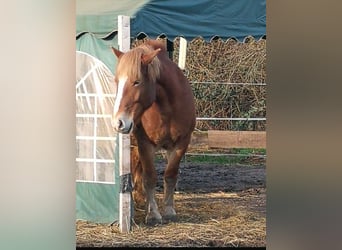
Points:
[[225, 61], [211, 219]]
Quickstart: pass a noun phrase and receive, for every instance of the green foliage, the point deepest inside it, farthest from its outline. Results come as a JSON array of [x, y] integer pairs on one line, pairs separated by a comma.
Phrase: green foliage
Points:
[[234, 156]]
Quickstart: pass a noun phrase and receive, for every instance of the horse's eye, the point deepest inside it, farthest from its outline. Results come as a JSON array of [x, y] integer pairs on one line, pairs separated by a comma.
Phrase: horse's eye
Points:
[[136, 83]]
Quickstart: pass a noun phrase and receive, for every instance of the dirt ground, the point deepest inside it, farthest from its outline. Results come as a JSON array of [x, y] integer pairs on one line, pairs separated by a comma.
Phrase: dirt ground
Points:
[[207, 178], [217, 205]]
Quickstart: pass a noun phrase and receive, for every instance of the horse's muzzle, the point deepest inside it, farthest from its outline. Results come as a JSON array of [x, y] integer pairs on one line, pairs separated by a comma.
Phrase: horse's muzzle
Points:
[[123, 125]]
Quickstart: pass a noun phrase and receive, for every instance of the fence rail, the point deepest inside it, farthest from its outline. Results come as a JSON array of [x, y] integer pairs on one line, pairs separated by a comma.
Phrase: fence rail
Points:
[[228, 139], [230, 83], [229, 119]]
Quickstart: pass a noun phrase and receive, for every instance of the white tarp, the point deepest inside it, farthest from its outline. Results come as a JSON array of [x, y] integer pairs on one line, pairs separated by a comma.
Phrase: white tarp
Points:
[[95, 138]]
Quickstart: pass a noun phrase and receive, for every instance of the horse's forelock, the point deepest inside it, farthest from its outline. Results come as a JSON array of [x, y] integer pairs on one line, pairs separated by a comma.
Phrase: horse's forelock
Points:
[[130, 63]]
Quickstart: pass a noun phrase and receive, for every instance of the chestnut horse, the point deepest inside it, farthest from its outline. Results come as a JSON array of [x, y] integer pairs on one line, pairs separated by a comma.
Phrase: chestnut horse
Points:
[[155, 102]]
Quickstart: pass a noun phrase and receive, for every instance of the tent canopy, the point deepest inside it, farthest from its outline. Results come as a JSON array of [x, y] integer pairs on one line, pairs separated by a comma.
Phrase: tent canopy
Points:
[[97, 21], [190, 19]]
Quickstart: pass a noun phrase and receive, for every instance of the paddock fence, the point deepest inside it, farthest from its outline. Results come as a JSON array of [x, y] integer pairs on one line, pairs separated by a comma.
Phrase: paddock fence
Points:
[[228, 79], [229, 116]]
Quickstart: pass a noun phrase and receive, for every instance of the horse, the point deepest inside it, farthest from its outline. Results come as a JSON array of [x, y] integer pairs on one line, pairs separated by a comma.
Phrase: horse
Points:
[[155, 104]]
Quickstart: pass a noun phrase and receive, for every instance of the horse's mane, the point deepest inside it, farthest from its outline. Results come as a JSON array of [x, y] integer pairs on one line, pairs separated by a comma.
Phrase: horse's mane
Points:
[[156, 44], [130, 62]]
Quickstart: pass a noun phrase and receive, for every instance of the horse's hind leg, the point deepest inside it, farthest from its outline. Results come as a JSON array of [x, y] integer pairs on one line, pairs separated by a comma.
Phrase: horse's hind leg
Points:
[[174, 157]]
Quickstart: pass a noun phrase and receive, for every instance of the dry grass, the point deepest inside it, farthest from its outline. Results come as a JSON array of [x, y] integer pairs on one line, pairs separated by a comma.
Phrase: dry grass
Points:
[[211, 219], [225, 61]]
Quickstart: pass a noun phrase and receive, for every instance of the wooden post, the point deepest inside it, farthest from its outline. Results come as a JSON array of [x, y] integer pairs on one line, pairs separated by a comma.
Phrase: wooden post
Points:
[[125, 210], [124, 33], [182, 53]]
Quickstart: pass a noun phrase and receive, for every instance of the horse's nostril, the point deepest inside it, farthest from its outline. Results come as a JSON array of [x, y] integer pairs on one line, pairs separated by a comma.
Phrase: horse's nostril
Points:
[[121, 124]]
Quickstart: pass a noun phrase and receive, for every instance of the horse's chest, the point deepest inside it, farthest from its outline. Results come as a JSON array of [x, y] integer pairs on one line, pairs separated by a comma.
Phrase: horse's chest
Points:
[[158, 132], [161, 140], [158, 129]]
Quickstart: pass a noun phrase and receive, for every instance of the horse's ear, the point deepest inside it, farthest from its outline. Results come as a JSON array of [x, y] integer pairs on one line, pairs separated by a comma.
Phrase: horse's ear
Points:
[[147, 58], [117, 52]]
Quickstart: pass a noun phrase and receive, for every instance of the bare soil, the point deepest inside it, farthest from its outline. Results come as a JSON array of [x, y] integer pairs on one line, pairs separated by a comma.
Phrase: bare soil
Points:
[[207, 178]]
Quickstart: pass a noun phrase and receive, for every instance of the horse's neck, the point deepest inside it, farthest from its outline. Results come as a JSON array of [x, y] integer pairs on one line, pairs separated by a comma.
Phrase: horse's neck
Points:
[[169, 78], [162, 97]]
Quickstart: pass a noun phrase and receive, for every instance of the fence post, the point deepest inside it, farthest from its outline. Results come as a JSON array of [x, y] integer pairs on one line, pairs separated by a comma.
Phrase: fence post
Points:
[[125, 210], [182, 53]]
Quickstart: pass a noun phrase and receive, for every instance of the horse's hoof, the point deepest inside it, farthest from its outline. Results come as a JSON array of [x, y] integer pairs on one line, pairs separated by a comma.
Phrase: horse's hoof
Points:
[[153, 221], [169, 214], [170, 218]]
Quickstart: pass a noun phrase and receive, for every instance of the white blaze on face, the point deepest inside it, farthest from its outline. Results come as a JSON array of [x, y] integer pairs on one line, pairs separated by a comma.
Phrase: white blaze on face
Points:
[[121, 85]]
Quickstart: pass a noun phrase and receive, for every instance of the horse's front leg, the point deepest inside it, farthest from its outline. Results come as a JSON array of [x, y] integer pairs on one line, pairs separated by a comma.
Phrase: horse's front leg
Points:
[[149, 179], [174, 157]]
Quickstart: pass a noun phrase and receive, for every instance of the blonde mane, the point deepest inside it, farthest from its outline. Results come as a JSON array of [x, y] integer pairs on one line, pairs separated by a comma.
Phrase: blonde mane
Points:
[[130, 63]]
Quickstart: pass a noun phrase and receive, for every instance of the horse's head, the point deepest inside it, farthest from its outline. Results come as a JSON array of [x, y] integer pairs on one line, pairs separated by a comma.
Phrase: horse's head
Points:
[[136, 74]]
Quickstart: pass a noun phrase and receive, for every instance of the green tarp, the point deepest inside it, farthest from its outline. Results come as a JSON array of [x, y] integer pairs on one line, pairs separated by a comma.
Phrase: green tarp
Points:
[[97, 202], [97, 171], [98, 48], [191, 18], [97, 22]]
